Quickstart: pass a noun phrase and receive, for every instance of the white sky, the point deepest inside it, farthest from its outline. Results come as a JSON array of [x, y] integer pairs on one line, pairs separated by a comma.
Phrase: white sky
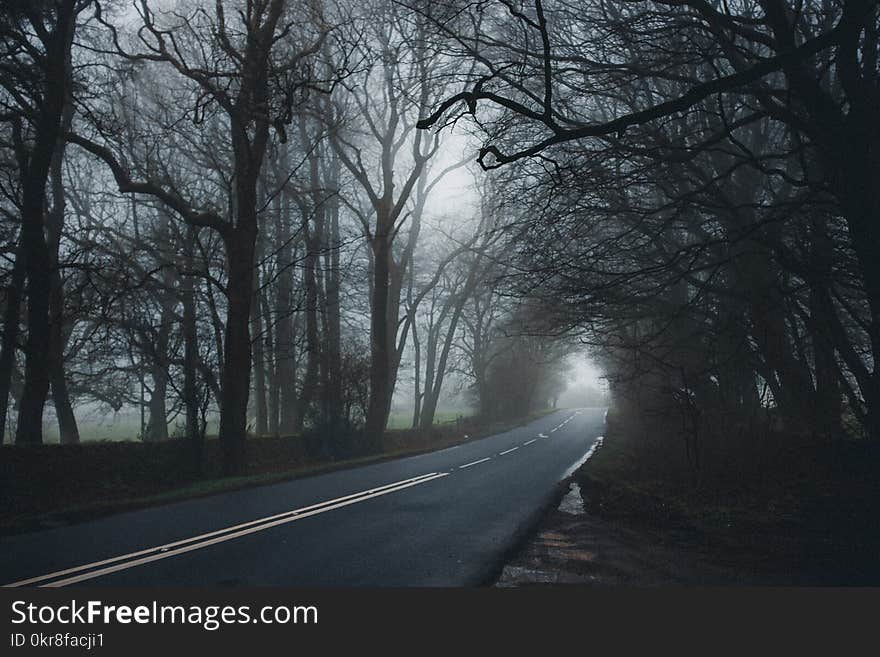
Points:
[[585, 372], [455, 193]]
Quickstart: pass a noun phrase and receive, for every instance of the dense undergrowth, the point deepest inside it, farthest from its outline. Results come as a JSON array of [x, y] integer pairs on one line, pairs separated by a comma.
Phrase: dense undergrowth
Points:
[[791, 507]]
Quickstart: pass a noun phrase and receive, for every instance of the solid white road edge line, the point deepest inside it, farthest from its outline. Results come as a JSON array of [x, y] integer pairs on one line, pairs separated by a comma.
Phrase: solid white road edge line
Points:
[[166, 549], [597, 443]]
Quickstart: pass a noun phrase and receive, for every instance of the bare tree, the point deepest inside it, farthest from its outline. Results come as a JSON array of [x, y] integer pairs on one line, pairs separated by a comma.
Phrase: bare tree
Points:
[[378, 144], [812, 69], [242, 65]]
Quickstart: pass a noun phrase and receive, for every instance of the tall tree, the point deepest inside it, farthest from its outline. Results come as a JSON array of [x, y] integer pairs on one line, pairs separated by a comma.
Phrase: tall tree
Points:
[[812, 68], [37, 81], [376, 141], [247, 65]]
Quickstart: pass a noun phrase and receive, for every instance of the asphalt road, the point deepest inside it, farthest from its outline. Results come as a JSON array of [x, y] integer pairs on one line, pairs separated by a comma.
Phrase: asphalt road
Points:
[[446, 518]]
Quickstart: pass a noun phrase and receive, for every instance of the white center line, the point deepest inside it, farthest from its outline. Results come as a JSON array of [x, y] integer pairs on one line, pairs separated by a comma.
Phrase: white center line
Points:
[[512, 449], [467, 465], [219, 536], [529, 442]]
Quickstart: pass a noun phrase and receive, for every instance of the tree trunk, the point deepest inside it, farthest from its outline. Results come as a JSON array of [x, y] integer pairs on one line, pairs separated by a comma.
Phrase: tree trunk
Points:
[[429, 402], [191, 360], [157, 422], [859, 168], [767, 313], [11, 323], [235, 386], [417, 376], [429, 408], [828, 407], [259, 363], [285, 333], [274, 394], [58, 331], [67, 426], [36, 373], [332, 314], [47, 130], [381, 344], [313, 347]]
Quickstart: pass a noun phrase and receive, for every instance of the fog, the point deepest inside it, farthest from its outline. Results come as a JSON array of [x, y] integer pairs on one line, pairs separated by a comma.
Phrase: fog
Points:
[[403, 228]]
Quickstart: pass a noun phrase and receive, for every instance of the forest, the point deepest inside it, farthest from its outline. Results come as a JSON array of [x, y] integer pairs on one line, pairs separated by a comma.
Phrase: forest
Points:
[[246, 218]]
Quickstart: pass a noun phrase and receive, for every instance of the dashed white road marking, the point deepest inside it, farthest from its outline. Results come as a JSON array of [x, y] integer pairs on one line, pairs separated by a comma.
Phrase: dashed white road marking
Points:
[[543, 435], [508, 451], [467, 465], [529, 442]]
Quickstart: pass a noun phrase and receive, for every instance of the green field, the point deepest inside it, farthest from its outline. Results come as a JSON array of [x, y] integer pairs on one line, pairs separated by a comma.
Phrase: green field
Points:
[[95, 428]]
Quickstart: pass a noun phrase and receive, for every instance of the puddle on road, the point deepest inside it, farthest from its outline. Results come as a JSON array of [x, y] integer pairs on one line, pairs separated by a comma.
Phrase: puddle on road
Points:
[[573, 502]]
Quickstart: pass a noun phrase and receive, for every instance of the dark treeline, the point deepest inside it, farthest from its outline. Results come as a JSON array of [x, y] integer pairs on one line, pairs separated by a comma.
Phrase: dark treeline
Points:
[[697, 193], [237, 208], [226, 209]]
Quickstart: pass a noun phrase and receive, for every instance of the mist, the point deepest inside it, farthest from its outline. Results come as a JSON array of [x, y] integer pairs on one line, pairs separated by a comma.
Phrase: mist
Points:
[[265, 238]]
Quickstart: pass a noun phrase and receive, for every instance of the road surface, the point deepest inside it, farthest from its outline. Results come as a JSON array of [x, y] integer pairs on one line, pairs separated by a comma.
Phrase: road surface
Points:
[[446, 518]]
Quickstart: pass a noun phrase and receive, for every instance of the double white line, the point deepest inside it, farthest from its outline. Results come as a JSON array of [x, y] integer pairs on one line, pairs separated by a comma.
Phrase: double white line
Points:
[[133, 559]]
